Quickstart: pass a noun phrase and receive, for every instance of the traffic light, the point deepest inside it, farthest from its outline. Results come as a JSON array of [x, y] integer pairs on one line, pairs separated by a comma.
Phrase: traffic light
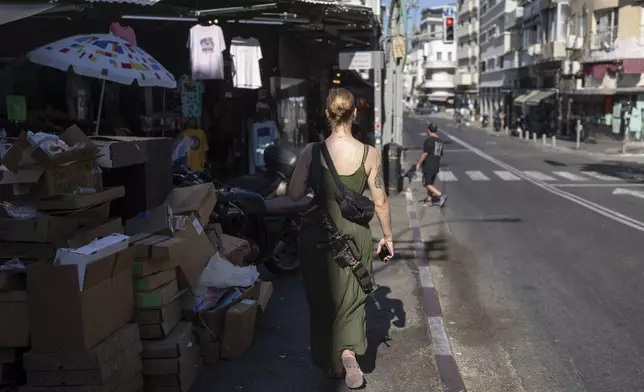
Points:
[[448, 29]]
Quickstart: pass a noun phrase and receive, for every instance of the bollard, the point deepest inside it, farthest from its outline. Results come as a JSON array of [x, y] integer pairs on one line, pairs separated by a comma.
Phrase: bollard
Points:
[[527, 135], [544, 139], [554, 141], [534, 137]]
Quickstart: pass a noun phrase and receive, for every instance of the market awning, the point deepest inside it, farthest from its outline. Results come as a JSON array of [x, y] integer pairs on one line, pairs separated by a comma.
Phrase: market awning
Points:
[[537, 98], [17, 11], [520, 100]]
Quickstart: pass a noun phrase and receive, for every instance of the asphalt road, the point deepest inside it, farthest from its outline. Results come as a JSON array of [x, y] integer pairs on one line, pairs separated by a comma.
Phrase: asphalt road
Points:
[[540, 281]]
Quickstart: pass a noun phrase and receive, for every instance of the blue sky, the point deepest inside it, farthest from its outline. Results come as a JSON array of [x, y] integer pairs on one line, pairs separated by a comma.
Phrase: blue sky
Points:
[[415, 14]]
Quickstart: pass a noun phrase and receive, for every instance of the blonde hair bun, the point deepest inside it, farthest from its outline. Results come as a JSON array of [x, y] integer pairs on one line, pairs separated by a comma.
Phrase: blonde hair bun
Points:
[[340, 105]]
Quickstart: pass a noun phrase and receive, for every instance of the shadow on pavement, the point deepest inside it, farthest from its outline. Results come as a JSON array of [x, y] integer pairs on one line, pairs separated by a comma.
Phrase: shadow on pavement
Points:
[[628, 171]]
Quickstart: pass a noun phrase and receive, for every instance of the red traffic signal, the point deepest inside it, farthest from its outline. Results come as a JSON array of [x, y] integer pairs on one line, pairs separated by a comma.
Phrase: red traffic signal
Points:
[[449, 21]]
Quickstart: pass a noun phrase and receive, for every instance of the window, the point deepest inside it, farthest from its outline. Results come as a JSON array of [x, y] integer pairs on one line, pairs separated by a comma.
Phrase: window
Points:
[[449, 56], [432, 28], [482, 66], [490, 65], [563, 23], [606, 23], [499, 62], [439, 56]]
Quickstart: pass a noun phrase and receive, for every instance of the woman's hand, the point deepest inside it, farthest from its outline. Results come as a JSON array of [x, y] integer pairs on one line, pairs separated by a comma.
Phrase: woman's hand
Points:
[[389, 244]]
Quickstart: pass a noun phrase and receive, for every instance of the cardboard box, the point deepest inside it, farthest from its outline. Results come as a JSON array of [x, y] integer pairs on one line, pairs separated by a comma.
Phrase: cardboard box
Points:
[[158, 323], [200, 250], [50, 227], [235, 249], [210, 346], [215, 233], [166, 366], [141, 269], [265, 292], [182, 382], [76, 202], [119, 151], [88, 234], [199, 199], [14, 313], [122, 366], [157, 220], [157, 298], [12, 280], [115, 384], [39, 183], [216, 319], [21, 152], [154, 281], [124, 339], [158, 247], [175, 345], [239, 329], [66, 319]]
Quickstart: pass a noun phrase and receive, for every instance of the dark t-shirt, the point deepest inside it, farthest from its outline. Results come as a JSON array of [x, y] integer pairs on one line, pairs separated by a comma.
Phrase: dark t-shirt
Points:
[[434, 148]]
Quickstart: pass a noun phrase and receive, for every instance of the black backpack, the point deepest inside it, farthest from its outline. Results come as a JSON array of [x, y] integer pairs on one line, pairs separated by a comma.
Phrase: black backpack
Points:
[[354, 206]]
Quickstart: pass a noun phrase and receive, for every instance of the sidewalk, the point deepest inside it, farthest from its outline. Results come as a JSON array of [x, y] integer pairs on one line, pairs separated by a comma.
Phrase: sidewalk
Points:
[[399, 357]]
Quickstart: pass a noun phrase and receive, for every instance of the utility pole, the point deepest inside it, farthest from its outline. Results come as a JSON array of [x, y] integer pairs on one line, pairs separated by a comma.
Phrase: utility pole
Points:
[[395, 52]]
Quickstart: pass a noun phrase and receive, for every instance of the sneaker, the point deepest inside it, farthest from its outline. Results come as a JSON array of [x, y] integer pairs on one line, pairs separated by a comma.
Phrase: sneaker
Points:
[[442, 200], [426, 202]]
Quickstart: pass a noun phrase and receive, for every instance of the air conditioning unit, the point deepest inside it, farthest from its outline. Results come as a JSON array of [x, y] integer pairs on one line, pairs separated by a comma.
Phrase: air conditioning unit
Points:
[[531, 50], [579, 84], [566, 67], [579, 43], [537, 49], [570, 41], [575, 67]]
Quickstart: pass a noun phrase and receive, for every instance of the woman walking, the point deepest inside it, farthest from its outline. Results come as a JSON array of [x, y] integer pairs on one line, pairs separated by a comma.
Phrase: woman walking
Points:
[[336, 301]]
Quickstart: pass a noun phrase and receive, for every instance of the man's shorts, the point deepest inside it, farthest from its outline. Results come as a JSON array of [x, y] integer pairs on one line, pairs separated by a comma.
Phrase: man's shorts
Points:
[[429, 177]]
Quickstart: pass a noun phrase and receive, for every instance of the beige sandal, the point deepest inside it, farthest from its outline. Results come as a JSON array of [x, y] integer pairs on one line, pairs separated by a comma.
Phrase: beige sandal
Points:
[[354, 377]]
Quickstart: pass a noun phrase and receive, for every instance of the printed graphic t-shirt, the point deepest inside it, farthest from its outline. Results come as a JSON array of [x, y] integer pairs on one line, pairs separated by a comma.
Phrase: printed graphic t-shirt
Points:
[[246, 54], [191, 92], [125, 32], [198, 148], [434, 148], [206, 45]]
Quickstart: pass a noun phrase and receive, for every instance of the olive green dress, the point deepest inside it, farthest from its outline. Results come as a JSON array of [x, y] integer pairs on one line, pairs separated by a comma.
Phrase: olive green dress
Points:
[[336, 301]]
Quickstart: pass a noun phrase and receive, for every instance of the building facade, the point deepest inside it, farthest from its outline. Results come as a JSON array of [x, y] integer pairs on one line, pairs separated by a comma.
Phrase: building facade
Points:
[[431, 62], [467, 52]]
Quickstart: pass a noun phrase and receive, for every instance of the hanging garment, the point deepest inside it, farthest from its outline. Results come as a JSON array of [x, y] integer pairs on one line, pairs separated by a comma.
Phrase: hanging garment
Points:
[[206, 45], [246, 54], [125, 32], [198, 148], [191, 96]]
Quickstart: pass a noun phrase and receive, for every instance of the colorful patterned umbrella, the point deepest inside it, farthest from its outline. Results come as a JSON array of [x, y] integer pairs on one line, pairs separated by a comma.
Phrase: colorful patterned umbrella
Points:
[[104, 56]]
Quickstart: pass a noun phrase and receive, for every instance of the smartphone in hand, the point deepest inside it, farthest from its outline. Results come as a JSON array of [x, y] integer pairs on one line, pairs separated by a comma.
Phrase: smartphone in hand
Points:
[[384, 252]]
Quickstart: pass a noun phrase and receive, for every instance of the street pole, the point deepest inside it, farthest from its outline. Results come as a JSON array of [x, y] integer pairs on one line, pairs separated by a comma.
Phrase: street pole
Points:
[[377, 90], [395, 54]]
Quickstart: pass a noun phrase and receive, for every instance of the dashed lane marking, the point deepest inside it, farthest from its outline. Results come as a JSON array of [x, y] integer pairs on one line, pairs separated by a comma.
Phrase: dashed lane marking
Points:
[[569, 176], [477, 176], [506, 175]]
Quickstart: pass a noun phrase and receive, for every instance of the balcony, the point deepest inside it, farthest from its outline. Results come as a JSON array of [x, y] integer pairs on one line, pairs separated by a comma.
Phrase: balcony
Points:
[[604, 39], [526, 59], [439, 83], [514, 18], [463, 79], [438, 64], [465, 52], [473, 28], [554, 50]]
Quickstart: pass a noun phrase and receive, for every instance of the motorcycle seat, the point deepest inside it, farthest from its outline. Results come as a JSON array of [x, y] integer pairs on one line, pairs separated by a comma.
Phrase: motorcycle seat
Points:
[[285, 205]]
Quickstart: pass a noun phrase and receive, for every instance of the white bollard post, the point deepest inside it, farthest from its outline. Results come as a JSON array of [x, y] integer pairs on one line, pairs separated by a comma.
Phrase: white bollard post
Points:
[[527, 135], [544, 139], [554, 141], [534, 137]]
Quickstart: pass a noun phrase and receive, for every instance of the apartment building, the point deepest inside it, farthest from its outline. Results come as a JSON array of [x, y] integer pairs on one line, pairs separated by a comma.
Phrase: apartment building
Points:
[[432, 61], [498, 59], [467, 52]]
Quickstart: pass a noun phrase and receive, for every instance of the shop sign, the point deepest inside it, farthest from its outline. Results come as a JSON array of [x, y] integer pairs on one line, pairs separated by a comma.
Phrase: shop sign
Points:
[[360, 60]]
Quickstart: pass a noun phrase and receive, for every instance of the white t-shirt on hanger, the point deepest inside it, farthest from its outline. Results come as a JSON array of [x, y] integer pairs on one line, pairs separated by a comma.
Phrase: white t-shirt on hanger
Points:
[[246, 54], [206, 45]]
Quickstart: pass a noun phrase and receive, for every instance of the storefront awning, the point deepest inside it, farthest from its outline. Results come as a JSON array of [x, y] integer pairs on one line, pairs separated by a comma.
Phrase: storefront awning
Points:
[[537, 98], [520, 100], [17, 11]]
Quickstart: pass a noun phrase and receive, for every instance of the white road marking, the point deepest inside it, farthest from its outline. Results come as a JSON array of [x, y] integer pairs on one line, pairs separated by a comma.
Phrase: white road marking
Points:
[[539, 176], [446, 176], [439, 336], [569, 176], [578, 185], [600, 176], [506, 175], [622, 191], [477, 176], [599, 209]]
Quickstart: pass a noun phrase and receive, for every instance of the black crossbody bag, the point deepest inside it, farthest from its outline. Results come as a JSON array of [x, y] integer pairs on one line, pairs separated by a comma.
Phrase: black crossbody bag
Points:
[[341, 246]]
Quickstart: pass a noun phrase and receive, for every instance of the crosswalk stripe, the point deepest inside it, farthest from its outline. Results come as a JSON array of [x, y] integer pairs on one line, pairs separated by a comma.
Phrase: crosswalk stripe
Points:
[[477, 176], [600, 176], [446, 176], [539, 176], [569, 176], [506, 175]]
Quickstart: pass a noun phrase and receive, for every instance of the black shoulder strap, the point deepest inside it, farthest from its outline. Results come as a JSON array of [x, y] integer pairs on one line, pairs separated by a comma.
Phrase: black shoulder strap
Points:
[[330, 165], [316, 171]]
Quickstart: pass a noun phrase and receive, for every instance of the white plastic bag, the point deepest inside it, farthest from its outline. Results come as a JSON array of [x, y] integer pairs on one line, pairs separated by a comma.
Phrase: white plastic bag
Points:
[[221, 273]]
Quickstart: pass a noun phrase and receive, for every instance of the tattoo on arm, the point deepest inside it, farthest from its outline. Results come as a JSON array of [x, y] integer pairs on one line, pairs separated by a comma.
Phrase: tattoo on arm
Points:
[[379, 181]]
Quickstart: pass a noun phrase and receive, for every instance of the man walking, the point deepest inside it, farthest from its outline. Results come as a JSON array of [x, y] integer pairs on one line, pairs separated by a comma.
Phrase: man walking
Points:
[[430, 161]]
